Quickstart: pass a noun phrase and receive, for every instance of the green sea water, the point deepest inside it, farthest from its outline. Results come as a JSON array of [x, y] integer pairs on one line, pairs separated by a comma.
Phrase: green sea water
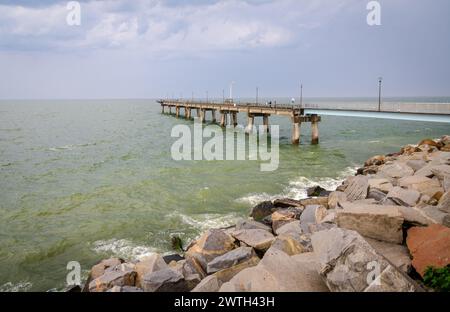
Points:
[[85, 180]]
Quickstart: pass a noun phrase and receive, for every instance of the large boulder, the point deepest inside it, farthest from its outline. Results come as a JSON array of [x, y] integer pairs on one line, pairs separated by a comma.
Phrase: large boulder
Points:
[[293, 226], [429, 246], [312, 214], [230, 259], [416, 164], [211, 244], [322, 201], [395, 170], [208, 284], [151, 263], [284, 216], [258, 239], [262, 210], [165, 280], [99, 269], [398, 255], [404, 197], [357, 188], [251, 225], [111, 278], [423, 185], [444, 203], [335, 198], [286, 203], [383, 185], [348, 263], [316, 191], [227, 274], [288, 245], [278, 272], [378, 222]]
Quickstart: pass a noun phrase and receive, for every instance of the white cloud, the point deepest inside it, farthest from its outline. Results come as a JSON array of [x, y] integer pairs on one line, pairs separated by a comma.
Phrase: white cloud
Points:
[[156, 27]]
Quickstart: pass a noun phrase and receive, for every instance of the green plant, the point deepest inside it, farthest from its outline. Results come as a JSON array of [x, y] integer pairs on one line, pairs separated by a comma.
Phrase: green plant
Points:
[[438, 278]]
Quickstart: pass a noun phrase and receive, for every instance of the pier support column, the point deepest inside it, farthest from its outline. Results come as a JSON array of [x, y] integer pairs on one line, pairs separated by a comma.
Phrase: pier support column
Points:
[[295, 130], [222, 119], [250, 122], [202, 115], [198, 112], [315, 129], [188, 113], [266, 123], [170, 110], [177, 111], [234, 119], [162, 108], [213, 113]]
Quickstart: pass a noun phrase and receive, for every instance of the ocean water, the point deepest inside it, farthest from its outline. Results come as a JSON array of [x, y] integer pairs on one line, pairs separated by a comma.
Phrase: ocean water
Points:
[[85, 180]]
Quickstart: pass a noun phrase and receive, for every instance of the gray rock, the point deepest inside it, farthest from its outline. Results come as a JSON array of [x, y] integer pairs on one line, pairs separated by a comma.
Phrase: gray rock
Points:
[[376, 195], [395, 171], [348, 263], [258, 239], [151, 263], [441, 171], [230, 259], [357, 188], [312, 214], [210, 245], [317, 191], [208, 284], [112, 278], [287, 202], [434, 214], [398, 255], [251, 224], [125, 289], [278, 272], [284, 216], [262, 210], [446, 183], [165, 280], [293, 226], [404, 197], [446, 220], [416, 164], [375, 221]]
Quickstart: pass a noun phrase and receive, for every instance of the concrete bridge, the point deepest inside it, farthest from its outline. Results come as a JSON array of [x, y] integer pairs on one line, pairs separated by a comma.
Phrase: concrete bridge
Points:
[[229, 110], [308, 113]]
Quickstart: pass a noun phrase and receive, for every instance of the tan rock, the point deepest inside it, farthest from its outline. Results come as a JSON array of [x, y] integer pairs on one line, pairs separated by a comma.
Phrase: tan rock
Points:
[[429, 246], [444, 203], [378, 222], [290, 227], [208, 284], [395, 171], [210, 245], [357, 188], [258, 239], [226, 275], [398, 255], [322, 201], [288, 245], [404, 197], [335, 198], [149, 264], [349, 264], [383, 185]]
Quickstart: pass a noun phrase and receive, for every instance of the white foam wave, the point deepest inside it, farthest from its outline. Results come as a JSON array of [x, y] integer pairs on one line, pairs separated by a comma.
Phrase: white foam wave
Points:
[[69, 147], [18, 287], [208, 221], [297, 188], [123, 248]]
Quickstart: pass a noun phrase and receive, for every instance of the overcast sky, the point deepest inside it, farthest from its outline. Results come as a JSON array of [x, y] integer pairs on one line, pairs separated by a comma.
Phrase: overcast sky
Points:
[[145, 48]]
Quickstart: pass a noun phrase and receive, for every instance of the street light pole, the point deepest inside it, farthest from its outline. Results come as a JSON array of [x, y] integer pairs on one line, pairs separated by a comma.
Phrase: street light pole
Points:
[[207, 97], [231, 90], [301, 95], [380, 79], [257, 95]]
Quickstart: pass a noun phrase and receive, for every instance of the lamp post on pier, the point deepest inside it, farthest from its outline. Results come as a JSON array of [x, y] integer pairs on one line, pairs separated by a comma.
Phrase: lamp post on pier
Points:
[[380, 80], [257, 89]]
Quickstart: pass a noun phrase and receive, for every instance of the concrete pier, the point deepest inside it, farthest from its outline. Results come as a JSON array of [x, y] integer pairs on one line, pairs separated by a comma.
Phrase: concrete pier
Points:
[[228, 108]]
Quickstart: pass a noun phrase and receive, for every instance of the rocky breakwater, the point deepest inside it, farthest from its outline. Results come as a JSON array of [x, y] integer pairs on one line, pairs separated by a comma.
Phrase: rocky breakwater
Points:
[[381, 230]]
